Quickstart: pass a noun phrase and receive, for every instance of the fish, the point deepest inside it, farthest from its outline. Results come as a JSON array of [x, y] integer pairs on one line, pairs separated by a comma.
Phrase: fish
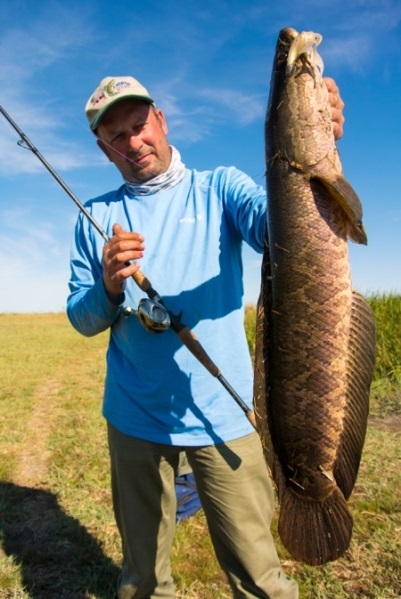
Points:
[[315, 334]]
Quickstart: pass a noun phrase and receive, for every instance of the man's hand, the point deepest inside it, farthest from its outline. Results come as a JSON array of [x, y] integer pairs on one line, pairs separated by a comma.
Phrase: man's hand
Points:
[[337, 107], [122, 248]]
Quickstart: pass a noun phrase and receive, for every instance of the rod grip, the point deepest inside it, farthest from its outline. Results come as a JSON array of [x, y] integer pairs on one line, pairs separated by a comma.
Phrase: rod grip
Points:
[[142, 281], [191, 342]]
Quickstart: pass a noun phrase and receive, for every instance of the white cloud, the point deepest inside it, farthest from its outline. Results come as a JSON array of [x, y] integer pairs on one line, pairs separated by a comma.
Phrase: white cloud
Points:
[[28, 288], [53, 33], [35, 271], [234, 104], [61, 155], [352, 52], [193, 115]]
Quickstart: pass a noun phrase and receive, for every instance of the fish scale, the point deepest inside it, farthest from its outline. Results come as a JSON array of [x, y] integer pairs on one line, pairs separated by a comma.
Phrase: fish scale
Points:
[[315, 335]]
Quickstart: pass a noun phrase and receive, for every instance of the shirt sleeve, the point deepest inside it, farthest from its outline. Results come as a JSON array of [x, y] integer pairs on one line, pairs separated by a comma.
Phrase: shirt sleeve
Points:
[[89, 308], [246, 209]]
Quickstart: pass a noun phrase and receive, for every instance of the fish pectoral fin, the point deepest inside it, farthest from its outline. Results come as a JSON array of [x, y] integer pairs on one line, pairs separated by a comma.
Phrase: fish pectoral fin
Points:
[[343, 193], [360, 364]]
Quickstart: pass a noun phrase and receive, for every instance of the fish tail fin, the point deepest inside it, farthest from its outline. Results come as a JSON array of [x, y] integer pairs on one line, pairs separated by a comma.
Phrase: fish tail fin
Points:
[[315, 532]]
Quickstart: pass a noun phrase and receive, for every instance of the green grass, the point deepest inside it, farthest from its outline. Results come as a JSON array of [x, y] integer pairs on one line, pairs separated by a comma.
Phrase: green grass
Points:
[[57, 533], [387, 313]]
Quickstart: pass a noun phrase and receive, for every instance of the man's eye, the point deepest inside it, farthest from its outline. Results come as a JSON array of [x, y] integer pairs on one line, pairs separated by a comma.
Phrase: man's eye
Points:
[[138, 128], [117, 138]]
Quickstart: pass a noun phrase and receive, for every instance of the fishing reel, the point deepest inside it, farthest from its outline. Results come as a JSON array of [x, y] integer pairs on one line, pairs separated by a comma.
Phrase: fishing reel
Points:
[[153, 316]]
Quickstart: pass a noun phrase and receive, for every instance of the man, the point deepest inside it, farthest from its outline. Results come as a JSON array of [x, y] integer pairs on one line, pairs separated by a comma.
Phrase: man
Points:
[[184, 229]]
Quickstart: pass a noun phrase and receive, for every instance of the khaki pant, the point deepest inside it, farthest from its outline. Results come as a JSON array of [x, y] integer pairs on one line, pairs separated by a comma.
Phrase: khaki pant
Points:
[[237, 498]]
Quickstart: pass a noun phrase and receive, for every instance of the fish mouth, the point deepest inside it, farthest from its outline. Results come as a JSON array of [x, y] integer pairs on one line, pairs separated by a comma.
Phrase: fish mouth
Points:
[[301, 44]]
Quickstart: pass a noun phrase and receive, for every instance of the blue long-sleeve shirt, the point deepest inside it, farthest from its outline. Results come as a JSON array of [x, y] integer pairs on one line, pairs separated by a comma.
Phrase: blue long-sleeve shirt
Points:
[[155, 389]]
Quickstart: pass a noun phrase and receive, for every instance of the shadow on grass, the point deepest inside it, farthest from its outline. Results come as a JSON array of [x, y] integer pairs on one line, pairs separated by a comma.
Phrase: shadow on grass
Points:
[[58, 557]]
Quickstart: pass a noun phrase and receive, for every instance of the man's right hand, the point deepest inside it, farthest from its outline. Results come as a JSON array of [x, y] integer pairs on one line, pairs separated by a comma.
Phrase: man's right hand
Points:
[[122, 248]]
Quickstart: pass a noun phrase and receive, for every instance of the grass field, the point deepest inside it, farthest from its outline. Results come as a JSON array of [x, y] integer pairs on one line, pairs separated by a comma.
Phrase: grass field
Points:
[[58, 537]]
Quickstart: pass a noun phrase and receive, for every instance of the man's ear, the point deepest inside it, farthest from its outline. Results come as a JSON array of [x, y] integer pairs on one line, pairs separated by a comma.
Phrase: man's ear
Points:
[[105, 149], [161, 120]]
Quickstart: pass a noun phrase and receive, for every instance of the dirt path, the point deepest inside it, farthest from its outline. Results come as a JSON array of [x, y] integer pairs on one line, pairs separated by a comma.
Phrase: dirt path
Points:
[[34, 456], [389, 423]]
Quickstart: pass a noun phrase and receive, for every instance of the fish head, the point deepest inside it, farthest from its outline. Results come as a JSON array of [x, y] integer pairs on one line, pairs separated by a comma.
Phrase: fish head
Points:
[[295, 50], [303, 49], [298, 121]]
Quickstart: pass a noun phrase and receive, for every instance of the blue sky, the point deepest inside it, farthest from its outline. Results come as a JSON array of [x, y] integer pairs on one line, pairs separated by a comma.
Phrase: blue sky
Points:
[[208, 66]]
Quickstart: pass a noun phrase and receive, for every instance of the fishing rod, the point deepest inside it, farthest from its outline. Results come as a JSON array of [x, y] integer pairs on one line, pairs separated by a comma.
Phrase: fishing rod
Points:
[[152, 311]]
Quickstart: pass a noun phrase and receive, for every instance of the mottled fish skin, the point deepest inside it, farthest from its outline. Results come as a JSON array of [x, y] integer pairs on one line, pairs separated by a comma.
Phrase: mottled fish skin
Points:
[[315, 335]]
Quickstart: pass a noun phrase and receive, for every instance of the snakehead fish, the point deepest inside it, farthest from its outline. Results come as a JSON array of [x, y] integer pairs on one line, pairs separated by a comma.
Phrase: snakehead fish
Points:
[[315, 335]]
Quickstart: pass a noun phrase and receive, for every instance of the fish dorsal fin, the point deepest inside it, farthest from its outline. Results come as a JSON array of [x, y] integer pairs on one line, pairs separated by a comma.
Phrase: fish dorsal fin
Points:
[[343, 193]]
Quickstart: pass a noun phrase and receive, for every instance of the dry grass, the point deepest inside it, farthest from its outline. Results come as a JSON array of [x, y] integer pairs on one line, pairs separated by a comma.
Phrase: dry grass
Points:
[[58, 537]]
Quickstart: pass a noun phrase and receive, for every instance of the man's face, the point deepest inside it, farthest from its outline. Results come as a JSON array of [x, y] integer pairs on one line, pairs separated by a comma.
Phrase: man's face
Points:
[[132, 134]]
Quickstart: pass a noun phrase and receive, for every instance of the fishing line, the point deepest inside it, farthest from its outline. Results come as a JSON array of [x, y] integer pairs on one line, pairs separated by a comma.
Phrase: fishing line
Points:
[[152, 173], [201, 185], [156, 313], [261, 173]]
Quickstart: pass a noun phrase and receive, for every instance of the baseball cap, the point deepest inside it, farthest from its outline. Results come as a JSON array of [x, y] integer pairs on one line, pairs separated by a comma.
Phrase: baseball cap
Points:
[[111, 90]]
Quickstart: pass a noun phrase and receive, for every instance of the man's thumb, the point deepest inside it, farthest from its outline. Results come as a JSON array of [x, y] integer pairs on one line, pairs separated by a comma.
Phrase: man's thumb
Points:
[[117, 229]]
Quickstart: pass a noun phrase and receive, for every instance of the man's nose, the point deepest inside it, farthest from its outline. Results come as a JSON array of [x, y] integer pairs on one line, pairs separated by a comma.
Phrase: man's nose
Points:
[[135, 142]]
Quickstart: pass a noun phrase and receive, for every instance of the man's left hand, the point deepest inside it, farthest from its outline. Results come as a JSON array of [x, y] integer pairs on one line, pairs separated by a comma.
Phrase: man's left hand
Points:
[[337, 107]]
